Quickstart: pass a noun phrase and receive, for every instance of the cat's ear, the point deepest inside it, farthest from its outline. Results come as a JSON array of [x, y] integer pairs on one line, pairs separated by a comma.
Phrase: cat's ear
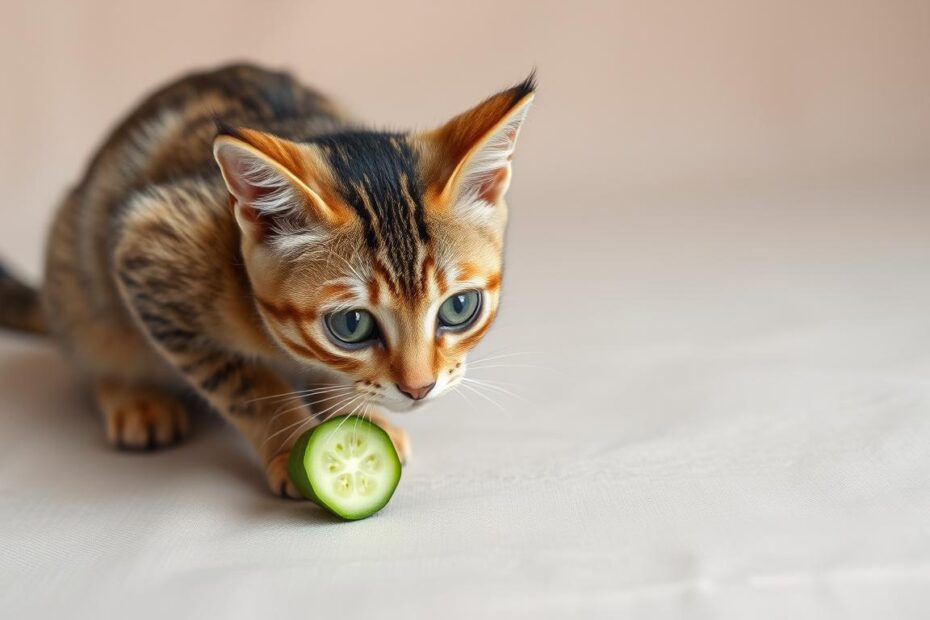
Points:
[[470, 155], [269, 180]]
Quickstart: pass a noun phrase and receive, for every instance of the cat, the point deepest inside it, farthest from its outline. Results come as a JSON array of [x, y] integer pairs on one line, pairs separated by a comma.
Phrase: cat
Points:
[[240, 236]]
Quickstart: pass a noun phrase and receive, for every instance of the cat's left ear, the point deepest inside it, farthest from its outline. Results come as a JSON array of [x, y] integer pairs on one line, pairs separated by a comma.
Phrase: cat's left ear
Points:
[[469, 160]]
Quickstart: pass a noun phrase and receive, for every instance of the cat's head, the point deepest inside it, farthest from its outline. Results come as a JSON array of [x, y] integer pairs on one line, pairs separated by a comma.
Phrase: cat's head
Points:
[[379, 255]]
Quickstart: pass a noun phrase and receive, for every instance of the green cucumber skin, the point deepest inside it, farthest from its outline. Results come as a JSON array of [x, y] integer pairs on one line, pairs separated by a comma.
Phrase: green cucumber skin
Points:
[[295, 466], [301, 477]]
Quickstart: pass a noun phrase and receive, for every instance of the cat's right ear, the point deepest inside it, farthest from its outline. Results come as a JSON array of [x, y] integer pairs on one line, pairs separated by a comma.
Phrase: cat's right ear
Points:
[[269, 181], [468, 159]]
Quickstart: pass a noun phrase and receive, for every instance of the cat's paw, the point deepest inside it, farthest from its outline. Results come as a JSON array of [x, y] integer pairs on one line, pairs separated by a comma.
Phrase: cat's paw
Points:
[[279, 479], [139, 419], [398, 436]]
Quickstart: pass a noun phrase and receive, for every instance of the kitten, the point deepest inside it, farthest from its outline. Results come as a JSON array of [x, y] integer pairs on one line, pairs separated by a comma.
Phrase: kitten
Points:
[[241, 236]]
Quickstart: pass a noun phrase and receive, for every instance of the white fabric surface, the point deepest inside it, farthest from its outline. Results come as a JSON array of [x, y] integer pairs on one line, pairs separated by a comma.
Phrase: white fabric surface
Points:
[[724, 414]]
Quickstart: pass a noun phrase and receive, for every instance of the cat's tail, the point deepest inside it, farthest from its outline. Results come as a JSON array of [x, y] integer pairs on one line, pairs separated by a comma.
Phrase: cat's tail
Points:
[[20, 305]]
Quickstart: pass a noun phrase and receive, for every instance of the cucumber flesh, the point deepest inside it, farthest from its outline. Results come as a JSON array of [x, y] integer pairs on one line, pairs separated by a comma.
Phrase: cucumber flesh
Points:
[[347, 465]]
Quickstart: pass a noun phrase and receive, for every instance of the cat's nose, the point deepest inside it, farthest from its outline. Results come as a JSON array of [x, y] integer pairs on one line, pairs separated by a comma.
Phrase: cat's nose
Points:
[[415, 393]]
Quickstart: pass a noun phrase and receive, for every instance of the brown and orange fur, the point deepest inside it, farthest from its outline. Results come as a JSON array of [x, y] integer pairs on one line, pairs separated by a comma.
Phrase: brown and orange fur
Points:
[[234, 209]]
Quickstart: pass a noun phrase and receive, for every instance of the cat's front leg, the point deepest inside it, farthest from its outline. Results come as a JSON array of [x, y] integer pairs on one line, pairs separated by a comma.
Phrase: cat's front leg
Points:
[[256, 401], [253, 397]]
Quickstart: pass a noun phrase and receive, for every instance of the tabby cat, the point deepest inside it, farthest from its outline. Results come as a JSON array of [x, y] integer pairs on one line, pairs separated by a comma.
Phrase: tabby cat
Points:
[[239, 235]]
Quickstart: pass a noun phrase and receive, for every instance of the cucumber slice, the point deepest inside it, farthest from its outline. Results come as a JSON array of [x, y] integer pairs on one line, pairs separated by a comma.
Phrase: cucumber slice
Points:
[[347, 465]]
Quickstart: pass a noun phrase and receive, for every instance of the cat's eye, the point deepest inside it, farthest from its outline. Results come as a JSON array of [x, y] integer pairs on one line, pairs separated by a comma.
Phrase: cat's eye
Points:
[[351, 326], [460, 309]]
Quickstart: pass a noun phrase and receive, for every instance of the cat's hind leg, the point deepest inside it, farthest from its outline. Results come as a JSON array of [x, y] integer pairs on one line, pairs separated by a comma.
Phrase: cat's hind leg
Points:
[[140, 417], [134, 388]]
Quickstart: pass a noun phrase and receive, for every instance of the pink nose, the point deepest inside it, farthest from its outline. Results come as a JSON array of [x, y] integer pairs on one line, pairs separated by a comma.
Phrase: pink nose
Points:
[[415, 393]]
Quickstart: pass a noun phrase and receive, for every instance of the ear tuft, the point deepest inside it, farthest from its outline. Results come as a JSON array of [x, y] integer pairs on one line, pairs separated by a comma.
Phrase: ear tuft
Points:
[[475, 150], [524, 88]]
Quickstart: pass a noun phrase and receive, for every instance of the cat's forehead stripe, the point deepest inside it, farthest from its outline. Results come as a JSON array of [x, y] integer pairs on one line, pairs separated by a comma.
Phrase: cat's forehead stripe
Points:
[[377, 177]]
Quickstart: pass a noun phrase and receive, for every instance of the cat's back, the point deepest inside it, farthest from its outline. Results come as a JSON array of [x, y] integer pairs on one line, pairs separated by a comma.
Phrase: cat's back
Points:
[[169, 135]]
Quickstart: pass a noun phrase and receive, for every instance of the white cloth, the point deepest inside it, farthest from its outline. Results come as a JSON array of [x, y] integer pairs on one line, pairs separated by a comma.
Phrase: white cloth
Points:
[[724, 414]]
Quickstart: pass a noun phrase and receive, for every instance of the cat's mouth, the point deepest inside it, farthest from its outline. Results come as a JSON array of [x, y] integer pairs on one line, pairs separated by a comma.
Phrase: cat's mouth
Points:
[[403, 406]]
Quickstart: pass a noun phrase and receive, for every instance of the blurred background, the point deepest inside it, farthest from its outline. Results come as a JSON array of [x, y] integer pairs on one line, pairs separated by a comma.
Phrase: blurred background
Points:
[[636, 97], [719, 254], [666, 136]]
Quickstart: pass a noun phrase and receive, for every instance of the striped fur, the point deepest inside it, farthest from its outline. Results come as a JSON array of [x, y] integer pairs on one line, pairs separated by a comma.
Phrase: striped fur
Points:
[[222, 222], [378, 177]]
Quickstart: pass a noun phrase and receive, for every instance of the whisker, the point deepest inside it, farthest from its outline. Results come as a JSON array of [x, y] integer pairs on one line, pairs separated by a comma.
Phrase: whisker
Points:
[[350, 266], [496, 388], [346, 399], [336, 430], [457, 388], [355, 428], [486, 397], [491, 381], [488, 358], [299, 422], [327, 397], [479, 366], [341, 403], [297, 431], [283, 395], [319, 391], [310, 420]]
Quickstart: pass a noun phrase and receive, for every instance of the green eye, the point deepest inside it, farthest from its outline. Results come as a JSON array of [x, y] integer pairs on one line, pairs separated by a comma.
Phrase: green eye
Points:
[[351, 326], [459, 309]]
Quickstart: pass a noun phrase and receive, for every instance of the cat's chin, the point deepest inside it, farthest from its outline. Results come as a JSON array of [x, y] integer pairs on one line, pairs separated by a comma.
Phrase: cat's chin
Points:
[[405, 407]]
